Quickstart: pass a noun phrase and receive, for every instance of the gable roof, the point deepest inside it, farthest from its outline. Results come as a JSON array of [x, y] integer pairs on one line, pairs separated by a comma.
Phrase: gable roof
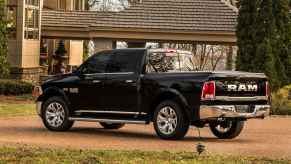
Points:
[[177, 15]]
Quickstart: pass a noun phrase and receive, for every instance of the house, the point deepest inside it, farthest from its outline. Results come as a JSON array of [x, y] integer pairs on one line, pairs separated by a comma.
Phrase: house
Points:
[[38, 26]]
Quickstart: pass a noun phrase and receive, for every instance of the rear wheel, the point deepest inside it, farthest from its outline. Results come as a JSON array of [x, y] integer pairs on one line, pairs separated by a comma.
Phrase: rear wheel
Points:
[[170, 121], [106, 125], [227, 129], [55, 115]]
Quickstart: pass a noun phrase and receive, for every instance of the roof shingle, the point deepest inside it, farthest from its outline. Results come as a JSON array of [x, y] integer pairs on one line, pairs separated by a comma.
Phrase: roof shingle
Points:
[[183, 15]]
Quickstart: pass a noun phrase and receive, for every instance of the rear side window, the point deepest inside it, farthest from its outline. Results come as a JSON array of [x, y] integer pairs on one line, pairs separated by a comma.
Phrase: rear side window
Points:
[[123, 61]]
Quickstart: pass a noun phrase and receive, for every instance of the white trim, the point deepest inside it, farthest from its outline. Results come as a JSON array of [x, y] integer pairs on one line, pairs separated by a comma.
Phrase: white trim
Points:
[[228, 98], [115, 73], [106, 120], [107, 112]]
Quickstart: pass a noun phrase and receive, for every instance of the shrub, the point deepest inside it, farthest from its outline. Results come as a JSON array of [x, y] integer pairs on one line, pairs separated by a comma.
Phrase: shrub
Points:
[[15, 87], [4, 65], [281, 101]]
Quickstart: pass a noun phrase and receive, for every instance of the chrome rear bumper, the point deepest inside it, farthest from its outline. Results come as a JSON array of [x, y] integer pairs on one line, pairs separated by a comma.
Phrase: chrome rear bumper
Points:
[[229, 111]]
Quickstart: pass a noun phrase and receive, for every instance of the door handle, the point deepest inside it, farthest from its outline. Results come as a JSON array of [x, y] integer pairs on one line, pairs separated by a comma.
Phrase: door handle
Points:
[[96, 81], [129, 81]]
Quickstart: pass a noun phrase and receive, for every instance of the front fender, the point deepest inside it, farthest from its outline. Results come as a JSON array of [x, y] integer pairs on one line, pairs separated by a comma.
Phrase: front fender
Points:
[[51, 92]]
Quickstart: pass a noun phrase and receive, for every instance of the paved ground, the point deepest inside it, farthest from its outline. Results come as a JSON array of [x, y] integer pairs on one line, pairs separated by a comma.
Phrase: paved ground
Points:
[[270, 137]]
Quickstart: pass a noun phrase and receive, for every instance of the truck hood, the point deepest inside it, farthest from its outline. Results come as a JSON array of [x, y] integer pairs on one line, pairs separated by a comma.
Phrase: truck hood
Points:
[[56, 78]]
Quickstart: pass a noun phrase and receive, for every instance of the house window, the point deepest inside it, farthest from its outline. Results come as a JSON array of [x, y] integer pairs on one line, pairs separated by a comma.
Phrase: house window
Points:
[[11, 17], [78, 4], [62, 4], [32, 2], [31, 19]]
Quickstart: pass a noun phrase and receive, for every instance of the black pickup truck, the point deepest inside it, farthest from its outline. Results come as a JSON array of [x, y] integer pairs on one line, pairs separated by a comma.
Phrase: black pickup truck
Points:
[[140, 86]]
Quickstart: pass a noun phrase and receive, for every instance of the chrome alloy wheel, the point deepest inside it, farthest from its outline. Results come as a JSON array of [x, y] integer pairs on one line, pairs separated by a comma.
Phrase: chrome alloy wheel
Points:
[[55, 114], [167, 120]]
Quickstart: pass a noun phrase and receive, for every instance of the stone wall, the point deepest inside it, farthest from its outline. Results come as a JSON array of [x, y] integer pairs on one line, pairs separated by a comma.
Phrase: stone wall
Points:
[[26, 74]]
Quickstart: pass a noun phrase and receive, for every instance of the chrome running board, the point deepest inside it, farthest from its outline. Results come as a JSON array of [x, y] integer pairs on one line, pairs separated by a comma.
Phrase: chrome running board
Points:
[[107, 120], [108, 112]]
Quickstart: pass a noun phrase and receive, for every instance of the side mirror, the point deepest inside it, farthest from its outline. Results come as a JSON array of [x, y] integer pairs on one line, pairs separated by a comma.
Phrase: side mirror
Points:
[[79, 73]]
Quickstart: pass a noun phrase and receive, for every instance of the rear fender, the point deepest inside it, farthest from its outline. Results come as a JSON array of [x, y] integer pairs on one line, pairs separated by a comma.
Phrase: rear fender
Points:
[[175, 95]]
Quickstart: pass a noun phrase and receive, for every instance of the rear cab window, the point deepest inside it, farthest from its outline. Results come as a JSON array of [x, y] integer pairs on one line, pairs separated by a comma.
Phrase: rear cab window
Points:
[[159, 61]]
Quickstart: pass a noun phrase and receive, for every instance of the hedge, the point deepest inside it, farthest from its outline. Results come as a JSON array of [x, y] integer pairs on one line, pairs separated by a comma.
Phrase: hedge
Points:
[[15, 87], [281, 101]]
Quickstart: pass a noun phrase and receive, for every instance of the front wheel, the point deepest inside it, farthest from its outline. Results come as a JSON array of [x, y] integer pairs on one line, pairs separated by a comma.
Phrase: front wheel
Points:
[[170, 121], [55, 115], [227, 129]]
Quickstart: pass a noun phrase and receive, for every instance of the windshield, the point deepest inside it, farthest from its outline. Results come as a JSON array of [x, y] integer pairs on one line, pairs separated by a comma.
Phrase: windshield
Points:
[[170, 62]]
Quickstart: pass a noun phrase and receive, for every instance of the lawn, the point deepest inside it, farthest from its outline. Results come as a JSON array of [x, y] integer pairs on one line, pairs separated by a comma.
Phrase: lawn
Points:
[[45, 155], [11, 110], [16, 106]]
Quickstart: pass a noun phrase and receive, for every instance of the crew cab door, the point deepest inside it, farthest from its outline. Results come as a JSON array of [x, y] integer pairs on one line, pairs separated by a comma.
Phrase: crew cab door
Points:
[[91, 86], [121, 84]]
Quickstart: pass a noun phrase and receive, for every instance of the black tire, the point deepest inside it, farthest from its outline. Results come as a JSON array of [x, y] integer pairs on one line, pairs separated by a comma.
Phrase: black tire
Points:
[[234, 128], [66, 124], [111, 125], [182, 123]]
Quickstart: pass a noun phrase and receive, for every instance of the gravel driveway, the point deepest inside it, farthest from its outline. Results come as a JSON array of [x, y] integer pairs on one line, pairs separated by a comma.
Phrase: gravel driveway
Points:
[[270, 137]]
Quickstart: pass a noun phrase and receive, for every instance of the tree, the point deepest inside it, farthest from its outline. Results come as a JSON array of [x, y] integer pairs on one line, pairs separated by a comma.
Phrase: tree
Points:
[[282, 42], [264, 39], [246, 34], [4, 66], [266, 60]]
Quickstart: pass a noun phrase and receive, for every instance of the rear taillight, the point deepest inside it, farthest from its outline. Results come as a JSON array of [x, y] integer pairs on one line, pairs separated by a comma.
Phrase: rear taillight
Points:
[[268, 89], [208, 91]]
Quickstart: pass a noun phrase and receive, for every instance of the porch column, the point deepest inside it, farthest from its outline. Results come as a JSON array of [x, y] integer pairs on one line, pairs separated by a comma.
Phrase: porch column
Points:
[[25, 49]]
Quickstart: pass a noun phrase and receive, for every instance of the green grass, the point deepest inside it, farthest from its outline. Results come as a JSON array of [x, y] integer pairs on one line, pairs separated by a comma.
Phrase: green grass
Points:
[[41, 155], [24, 97], [11, 110]]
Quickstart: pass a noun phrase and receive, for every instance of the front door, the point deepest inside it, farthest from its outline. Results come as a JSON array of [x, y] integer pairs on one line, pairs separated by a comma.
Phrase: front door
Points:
[[92, 77], [92, 90]]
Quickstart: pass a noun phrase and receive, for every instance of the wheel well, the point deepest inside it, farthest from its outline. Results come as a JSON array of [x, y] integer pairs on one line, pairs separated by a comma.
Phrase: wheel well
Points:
[[52, 93], [168, 96]]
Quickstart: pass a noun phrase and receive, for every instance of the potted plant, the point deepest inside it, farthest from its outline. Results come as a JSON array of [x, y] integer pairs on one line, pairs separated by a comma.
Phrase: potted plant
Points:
[[60, 57]]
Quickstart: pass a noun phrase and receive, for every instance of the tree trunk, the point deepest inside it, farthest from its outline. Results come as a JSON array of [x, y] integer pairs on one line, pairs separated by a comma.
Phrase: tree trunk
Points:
[[229, 59]]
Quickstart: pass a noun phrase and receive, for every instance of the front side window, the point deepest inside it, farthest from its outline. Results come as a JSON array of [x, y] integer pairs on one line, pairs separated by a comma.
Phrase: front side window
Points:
[[169, 62], [111, 62], [96, 64]]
